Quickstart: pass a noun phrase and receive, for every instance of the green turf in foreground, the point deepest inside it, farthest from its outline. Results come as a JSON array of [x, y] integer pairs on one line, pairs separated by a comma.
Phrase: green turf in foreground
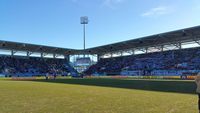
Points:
[[68, 96]]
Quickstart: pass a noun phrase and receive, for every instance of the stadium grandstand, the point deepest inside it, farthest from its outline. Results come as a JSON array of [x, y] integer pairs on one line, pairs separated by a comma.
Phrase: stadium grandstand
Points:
[[27, 60], [167, 53]]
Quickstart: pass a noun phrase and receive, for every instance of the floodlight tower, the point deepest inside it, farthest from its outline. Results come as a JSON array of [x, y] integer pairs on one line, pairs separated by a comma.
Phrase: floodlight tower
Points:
[[84, 21]]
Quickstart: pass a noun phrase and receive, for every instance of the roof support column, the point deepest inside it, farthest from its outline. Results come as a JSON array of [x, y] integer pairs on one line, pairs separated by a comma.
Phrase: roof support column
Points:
[[54, 55], [180, 45], [42, 55], [133, 52], [27, 53], [13, 52], [121, 53], [146, 50], [67, 58], [162, 48], [111, 54], [98, 57]]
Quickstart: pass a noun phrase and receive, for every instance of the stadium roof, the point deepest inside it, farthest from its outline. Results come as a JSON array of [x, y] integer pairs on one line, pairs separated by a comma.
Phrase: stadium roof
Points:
[[16, 46], [173, 37]]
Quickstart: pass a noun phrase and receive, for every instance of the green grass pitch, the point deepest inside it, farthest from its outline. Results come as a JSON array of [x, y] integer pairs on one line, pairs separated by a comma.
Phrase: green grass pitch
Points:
[[98, 96]]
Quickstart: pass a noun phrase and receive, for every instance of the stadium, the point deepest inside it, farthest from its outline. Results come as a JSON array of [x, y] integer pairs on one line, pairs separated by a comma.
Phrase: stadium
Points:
[[150, 74], [157, 55]]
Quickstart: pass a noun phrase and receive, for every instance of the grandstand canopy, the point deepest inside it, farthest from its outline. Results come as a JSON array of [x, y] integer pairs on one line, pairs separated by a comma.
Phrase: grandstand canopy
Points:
[[16, 46], [173, 37]]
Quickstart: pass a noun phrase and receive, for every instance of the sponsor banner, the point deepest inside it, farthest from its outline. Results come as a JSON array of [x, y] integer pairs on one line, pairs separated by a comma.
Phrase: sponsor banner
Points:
[[184, 77], [147, 77], [171, 77], [191, 77], [119, 76], [23, 78]]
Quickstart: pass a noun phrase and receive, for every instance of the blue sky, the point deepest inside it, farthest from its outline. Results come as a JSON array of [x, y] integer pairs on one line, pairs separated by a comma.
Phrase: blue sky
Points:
[[57, 22]]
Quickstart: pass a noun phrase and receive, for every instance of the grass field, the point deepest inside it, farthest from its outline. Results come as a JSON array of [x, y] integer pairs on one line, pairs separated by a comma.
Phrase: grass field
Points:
[[97, 96]]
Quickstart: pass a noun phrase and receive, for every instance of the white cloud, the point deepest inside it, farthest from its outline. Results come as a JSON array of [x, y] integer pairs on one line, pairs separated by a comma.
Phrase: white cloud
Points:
[[111, 3], [157, 11]]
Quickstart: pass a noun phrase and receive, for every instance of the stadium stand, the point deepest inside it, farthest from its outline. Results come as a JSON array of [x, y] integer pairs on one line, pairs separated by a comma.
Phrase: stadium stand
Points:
[[33, 66], [161, 54], [173, 62]]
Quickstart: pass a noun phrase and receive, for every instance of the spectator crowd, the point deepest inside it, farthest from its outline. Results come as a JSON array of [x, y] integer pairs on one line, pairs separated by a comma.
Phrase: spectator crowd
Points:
[[183, 59], [17, 65]]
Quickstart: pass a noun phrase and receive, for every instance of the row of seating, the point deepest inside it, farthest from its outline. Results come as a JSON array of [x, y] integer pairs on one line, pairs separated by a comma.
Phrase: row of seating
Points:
[[183, 59], [33, 66]]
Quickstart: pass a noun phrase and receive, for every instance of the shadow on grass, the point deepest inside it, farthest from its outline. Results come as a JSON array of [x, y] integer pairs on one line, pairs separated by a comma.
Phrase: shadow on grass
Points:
[[150, 85]]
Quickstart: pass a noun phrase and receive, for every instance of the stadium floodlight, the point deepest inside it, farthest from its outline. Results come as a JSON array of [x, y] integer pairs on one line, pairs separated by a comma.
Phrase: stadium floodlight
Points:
[[84, 21]]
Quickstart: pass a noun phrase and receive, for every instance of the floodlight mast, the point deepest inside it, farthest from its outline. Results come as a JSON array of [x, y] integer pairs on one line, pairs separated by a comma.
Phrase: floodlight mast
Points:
[[84, 21]]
